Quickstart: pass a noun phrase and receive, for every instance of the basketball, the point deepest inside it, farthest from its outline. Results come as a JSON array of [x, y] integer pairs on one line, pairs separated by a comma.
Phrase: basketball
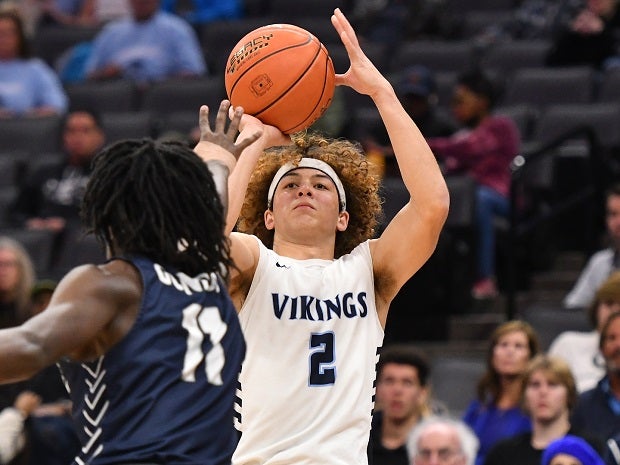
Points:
[[282, 75]]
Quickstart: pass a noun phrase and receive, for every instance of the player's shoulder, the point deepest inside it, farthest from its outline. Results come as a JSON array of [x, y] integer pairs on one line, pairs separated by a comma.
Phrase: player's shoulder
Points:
[[116, 276]]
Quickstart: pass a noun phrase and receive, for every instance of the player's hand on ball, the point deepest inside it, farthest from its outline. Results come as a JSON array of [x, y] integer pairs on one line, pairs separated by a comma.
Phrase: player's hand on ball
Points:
[[271, 135]]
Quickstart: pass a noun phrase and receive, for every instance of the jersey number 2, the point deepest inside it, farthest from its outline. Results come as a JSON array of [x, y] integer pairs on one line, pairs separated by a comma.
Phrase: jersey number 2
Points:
[[322, 369], [199, 322]]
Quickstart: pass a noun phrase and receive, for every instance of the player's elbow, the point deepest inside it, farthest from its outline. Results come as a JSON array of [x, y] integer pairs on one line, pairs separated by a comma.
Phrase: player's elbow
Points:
[[438, 206]]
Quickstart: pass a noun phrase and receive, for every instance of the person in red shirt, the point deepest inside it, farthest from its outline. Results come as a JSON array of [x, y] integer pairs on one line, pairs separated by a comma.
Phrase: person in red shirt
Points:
[[483, 149]]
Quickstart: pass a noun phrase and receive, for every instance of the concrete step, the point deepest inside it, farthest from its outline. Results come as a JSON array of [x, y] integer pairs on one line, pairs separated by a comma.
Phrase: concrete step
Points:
[[473, 327], [555, 280], [570, 260]]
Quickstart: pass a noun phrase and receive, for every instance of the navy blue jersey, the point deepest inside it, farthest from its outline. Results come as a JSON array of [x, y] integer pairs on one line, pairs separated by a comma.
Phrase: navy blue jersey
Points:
[[165, 392]]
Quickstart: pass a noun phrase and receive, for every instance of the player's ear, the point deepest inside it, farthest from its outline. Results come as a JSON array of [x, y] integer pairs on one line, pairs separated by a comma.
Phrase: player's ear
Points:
[[343, 221], [268, 216]]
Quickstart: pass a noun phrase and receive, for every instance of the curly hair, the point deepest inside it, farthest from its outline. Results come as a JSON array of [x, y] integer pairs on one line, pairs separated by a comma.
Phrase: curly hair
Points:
[[159, 200], [346, 158]]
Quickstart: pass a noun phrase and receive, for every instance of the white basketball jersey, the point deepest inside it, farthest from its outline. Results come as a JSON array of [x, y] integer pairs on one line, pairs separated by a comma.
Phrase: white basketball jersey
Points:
[[307, 382]]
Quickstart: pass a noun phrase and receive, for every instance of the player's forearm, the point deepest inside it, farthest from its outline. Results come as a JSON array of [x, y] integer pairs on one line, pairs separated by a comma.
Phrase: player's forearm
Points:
[[21, 356], [220, 173], [238, 182]]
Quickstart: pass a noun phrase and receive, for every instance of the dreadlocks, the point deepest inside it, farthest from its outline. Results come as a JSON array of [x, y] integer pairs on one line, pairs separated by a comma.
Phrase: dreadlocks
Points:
[[157, 199]]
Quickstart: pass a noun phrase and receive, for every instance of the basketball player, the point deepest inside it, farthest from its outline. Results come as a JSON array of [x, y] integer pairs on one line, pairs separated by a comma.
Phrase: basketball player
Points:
[[149, 343], [312, 289]]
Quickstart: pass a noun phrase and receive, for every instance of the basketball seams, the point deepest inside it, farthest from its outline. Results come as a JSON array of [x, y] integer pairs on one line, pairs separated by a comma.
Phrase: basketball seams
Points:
[[289, 91], [280, 50], [292, 86], [319, 100]]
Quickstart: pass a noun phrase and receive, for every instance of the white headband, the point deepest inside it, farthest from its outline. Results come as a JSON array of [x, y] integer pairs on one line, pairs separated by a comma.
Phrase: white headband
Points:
[[308, 163]]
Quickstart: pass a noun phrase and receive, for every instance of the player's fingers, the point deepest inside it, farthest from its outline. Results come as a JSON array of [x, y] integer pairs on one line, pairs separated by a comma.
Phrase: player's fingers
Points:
[[233, 128], [203, 120], [342, 25], [222, 117], [249, 139]]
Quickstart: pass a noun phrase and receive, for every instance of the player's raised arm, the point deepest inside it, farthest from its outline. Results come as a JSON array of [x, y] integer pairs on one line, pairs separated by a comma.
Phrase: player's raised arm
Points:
[[412, 235]]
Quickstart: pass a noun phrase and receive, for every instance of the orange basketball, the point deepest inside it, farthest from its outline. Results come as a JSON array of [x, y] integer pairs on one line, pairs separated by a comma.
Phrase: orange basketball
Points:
[[281, 74]]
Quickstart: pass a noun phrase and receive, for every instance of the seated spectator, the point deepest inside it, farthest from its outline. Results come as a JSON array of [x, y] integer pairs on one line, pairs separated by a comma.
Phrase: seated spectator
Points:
[[442, 440], [532, 19], [570, 450], [13, 425], [598, 410], [28, 86], [150, 46], [483, 149], [402, 401], [581, 349], [548, 396], [590, 38], [496, 414], [602, 263], [417, 91], [50, 197], [204, 11], [17, 276], [89, 13]]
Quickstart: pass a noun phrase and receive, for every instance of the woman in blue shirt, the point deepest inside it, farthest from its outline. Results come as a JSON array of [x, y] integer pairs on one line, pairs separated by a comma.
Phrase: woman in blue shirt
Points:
[[28, 86], [496, 413]]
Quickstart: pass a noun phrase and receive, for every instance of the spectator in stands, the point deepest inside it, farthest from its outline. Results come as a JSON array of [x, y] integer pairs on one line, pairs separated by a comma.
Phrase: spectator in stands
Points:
[[50, 197], [570, 450], [602, 263], [17, 277], [13, 425], [598, 410], [590, 38], [402, 401], [90, 13], [581, 349], [204, 11], [532, 19], [483, 149], [417, 91], [548, 396], [28, 86], [439, 440], [496, 413], [152, 45]]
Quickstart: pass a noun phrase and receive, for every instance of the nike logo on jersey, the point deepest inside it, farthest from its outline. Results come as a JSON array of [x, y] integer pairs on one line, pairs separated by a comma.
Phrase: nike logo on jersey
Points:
[[282, 266]]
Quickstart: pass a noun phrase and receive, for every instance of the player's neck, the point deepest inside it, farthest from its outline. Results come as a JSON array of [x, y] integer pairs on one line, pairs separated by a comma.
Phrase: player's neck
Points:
[[302, 251]]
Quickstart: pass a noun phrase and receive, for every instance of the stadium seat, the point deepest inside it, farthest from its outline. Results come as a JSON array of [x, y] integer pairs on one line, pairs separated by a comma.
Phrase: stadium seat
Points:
[[107, 96], [540, 87], [436, 55]]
